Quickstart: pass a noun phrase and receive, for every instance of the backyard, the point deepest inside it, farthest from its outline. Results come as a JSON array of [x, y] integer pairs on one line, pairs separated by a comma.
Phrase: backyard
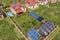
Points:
[[26, 22]]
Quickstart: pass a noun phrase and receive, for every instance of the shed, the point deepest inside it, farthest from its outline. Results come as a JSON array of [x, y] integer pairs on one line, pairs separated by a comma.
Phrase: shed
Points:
[[33, 34], [39, 18]]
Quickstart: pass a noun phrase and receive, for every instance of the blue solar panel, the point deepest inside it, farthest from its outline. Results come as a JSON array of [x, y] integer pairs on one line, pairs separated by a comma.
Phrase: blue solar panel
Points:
[[40, 18], [44, 26], [51, 23], [49, 26], [34, 15], [14, 5], [42, 30], [33, 34]]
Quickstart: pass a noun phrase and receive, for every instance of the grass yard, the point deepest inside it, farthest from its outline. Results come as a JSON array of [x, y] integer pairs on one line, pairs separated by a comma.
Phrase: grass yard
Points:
[[26, 22], [8, 31]]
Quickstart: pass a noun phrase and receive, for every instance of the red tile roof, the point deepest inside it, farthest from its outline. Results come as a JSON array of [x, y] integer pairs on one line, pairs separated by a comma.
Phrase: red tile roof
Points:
[[31, 2], [42, 0], [17, 7]]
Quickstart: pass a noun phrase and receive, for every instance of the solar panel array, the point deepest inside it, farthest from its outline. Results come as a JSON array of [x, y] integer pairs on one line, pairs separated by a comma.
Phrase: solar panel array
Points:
[[33, 34], [44, 30], [39, 18], [47, 27]]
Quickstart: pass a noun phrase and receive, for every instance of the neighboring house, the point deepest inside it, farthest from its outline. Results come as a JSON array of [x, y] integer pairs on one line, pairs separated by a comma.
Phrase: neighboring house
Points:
[[17, 8], [42, 2], [31, 4], [58, 0], [52, 1], [1, 15]]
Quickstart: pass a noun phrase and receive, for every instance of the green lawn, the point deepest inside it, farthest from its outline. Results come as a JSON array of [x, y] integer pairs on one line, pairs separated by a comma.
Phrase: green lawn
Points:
[[26, 22], [8, 31]]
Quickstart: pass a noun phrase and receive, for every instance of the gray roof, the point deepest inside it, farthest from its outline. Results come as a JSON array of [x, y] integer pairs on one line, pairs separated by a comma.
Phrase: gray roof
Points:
[[44, 26], [51, 24], [43, 31]]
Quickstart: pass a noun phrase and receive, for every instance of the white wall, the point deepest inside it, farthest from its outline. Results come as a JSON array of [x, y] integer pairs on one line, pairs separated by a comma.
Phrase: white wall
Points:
[[13, 11], [24, 9], [43, 3], [31, 7]]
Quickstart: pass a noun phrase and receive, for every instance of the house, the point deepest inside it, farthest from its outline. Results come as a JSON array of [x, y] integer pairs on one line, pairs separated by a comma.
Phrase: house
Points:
[[17, 8], [1, 15], [42, 2], [31, 4], [52, 1], [58, 0]]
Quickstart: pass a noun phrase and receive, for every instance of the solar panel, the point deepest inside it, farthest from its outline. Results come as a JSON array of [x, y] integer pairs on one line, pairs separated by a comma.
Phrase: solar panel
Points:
[[44, 32], [51, 23], [33, 34], [14, 5], [34, 15], [49, 26], [44, 26], [44, 29], [40, 18]]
